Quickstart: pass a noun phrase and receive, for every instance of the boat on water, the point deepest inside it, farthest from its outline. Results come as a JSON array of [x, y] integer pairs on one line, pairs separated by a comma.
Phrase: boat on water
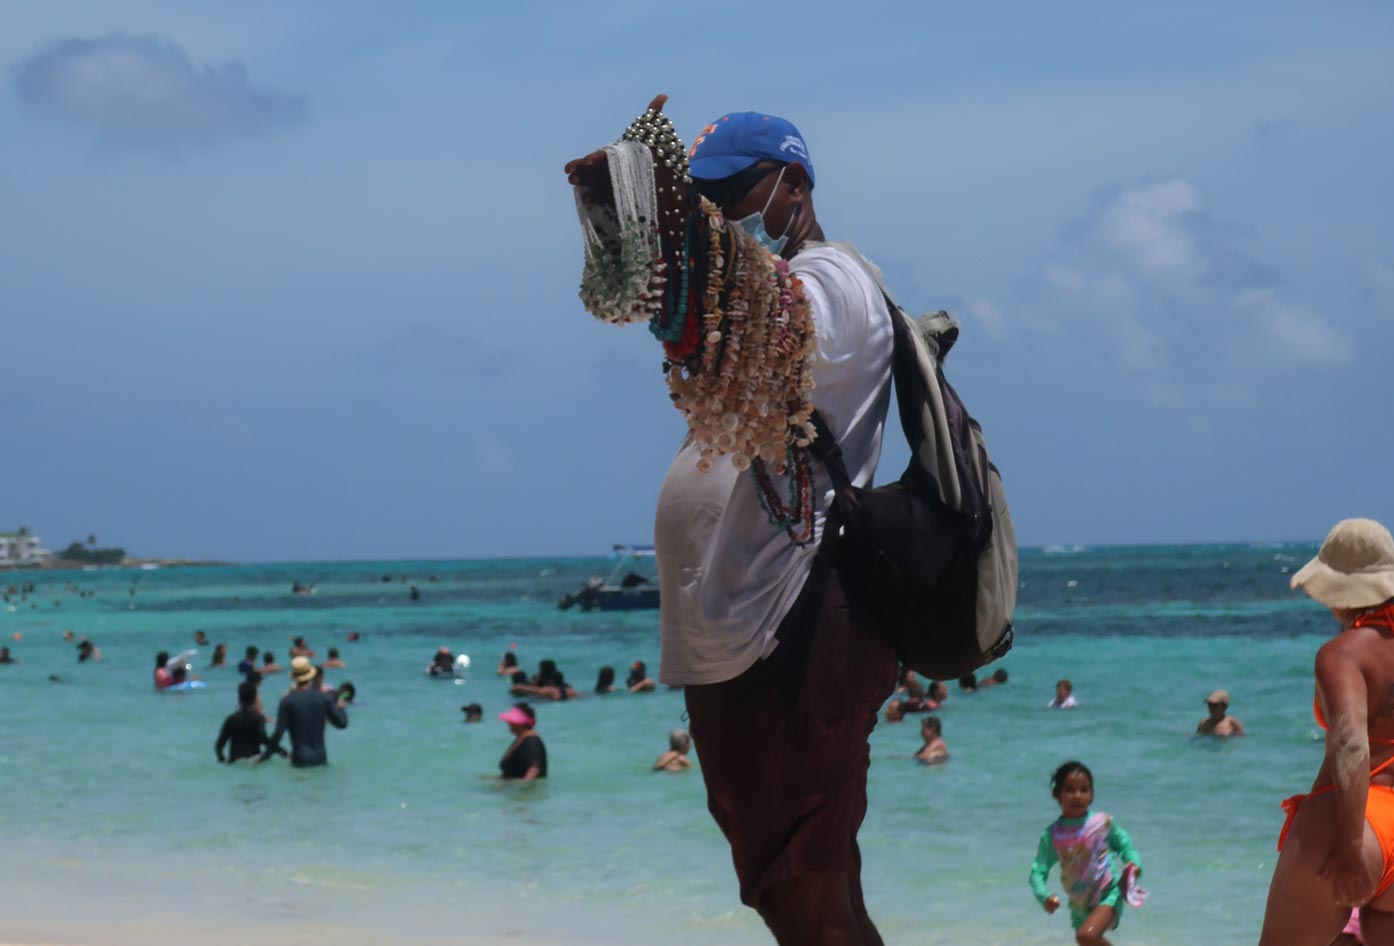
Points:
[[632, 584]]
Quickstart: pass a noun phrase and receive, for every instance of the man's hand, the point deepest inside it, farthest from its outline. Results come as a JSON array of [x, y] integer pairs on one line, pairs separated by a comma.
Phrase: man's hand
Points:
[[1052, 903], [1353, 882], [592, 171]]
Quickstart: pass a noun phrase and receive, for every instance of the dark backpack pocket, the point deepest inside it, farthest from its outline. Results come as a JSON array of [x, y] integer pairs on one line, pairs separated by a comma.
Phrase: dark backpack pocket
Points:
[[912, 562]]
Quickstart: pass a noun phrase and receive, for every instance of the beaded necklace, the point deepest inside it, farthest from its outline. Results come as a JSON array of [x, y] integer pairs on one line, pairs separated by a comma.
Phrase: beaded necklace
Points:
[[623, 263], [736, 330]]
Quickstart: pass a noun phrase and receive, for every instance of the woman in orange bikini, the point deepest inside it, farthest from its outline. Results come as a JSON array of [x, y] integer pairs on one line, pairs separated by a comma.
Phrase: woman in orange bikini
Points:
[[1338, 841]]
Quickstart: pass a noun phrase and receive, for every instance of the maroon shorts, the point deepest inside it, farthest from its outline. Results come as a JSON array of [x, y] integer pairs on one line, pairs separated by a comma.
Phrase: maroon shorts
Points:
[[783, 747]]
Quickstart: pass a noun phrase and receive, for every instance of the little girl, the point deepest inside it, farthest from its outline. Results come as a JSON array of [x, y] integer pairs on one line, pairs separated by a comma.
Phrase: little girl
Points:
[[1081, 842]]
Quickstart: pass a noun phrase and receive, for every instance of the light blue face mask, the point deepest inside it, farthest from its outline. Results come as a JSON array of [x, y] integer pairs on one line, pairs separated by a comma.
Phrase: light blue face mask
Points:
[[755, 223]]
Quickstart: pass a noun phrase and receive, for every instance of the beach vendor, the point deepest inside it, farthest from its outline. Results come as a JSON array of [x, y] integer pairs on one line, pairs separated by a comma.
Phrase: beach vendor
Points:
[[760, 322], [1337, 843]]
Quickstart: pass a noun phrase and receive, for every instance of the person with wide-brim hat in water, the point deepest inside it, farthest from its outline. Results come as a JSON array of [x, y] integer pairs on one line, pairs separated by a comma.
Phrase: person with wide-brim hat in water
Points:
[[1338, 841], [303, 713]]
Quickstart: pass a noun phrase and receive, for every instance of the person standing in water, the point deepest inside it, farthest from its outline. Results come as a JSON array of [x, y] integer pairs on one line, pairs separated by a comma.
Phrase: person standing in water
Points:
[[248, 663], [934, 751], [163, 678], [1064, 696], [303, 713], [1219, 723], [675, 759], [1083, 843], [525, 759], [245, 728]]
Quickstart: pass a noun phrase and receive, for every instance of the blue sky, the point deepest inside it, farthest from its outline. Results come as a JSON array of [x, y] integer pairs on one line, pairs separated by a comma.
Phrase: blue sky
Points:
[[287, 281]]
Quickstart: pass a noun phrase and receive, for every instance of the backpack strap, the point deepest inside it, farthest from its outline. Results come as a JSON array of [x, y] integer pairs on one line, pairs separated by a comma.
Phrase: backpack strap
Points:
[[828, 451], [920, 345]]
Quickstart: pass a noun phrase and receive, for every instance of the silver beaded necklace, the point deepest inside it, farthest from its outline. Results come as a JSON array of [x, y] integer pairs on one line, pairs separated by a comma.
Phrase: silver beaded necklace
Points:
[[622, 278]]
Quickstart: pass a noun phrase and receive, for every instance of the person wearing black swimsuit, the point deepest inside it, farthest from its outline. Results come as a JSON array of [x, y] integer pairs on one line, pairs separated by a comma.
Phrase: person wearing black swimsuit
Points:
[[526, 758]]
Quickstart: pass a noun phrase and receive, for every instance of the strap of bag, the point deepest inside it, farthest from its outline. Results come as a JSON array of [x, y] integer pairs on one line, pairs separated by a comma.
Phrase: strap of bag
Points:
[[828, 451]]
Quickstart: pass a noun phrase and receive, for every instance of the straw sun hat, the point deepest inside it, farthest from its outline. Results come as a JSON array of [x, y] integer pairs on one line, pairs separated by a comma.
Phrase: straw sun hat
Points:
[[301, 669], [1354, 569]]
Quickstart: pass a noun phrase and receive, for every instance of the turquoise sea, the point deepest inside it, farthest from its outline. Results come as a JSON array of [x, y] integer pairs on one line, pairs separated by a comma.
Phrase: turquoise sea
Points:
[[119, 826]]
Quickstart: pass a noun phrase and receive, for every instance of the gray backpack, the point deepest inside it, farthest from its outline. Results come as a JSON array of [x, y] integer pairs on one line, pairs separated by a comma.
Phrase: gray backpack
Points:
[[933, 555]]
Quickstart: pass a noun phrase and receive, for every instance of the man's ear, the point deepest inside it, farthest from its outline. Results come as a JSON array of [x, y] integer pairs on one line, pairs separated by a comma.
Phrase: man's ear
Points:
[[797, 179]]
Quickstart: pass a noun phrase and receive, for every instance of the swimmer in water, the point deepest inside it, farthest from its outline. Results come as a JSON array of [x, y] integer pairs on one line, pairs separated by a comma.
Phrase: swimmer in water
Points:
[[508, 663], [442, 664], [249, 660], [5, 657], [1064, 696], [638, 680], [605, 680], [999, 676], [269, 665], [934, 751], [1219, 723], [163, 678], [333, 662], [219, 656], [675, 759]]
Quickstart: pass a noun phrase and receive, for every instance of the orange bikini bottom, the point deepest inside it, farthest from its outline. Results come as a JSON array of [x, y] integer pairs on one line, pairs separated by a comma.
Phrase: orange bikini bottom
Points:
[[1379, 815]]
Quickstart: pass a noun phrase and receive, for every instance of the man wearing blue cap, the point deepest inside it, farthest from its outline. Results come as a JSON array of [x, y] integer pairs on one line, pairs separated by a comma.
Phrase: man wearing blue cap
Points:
[[783, 675]]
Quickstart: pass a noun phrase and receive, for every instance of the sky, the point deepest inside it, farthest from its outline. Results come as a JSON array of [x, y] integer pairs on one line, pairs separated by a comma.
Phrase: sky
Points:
[[298, 281]]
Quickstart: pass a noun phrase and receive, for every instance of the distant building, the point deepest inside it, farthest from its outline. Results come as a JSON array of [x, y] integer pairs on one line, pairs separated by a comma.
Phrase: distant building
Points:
[[22, 548]]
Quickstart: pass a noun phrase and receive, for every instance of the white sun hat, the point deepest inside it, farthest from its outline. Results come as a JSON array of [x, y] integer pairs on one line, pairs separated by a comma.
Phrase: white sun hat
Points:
[[1354, 569]]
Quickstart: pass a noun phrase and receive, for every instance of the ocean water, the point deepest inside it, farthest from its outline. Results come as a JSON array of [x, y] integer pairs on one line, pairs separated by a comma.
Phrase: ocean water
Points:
[[114, 812]]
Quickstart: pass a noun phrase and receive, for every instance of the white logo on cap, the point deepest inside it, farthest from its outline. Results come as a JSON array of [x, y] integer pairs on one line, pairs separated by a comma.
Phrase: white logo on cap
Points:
[[795, 145]]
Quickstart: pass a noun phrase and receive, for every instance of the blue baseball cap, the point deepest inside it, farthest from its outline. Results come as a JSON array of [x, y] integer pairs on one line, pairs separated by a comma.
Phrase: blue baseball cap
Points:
[[734, 142]]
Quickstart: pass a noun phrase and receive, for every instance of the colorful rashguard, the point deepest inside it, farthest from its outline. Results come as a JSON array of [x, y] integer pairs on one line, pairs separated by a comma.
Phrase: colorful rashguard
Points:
[[1082, 846]]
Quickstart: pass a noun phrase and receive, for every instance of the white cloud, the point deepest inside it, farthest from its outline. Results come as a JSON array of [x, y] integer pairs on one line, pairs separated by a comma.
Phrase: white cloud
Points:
[[146, 92], [1104, 290], [1149, 230], [987, 315], [1156, 271], [1300, 332]]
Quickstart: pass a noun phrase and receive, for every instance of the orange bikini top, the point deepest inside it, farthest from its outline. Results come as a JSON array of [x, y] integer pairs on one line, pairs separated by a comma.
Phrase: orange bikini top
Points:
[[1381, 617], [1321, 721]]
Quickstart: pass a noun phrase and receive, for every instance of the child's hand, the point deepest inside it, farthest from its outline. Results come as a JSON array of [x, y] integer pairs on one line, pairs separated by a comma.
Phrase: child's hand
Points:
[[1052, 903]]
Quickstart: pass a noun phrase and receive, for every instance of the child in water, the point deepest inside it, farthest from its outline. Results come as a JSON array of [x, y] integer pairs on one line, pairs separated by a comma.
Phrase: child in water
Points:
[[1083, 843]]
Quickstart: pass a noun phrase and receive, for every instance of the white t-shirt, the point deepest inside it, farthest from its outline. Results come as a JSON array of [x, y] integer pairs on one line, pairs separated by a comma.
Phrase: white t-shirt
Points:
[[727, 576]]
